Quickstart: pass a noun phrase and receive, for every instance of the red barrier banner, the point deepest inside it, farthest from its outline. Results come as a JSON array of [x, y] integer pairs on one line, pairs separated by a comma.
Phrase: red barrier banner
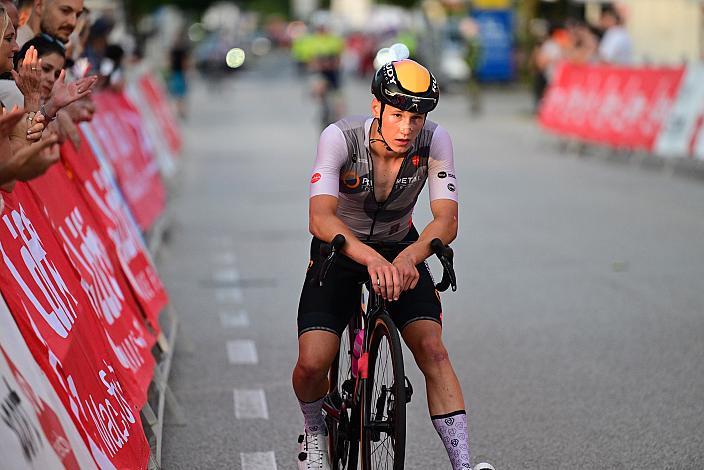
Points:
[[109, 209], [45, 297], [95, 260], [36, 431], [159, 103], [117, 125], [617, 106]]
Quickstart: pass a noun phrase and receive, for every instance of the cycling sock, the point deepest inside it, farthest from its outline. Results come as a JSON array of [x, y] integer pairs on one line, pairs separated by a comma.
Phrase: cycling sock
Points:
[[313, 415], [452, 428]]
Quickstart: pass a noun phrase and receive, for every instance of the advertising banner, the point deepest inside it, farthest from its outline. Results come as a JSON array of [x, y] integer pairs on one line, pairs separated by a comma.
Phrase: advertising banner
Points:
[[159, 104], [117, 126], [496, 35], [36, 431], [677, 137], [107, 206], [54, 315], [95, 260], [617, 106]]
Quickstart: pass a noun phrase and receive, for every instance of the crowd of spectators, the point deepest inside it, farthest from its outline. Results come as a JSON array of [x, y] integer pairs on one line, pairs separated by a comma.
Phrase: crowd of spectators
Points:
[[49, 66], [580, 42]]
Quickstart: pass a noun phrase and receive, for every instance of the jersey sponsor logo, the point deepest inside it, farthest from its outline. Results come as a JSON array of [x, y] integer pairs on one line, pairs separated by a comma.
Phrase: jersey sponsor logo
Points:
[[315, 178], [406, 180], [415, 160], [451, 187], [350, 179], [444, 174]]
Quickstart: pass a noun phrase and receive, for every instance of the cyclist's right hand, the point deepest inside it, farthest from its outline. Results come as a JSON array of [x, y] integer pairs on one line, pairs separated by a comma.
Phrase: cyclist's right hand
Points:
[[385, 278]]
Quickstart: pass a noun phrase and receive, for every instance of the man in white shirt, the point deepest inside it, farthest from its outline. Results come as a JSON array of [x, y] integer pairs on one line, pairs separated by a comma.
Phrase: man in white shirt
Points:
[[57, 18], [616, 46]]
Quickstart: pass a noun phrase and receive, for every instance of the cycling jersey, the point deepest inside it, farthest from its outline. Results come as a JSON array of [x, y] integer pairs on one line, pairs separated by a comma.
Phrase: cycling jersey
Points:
[[344, 169]]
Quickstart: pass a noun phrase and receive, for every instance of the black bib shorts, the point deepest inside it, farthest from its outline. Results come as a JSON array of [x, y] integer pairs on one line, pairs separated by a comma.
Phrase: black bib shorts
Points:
[[330, 308]]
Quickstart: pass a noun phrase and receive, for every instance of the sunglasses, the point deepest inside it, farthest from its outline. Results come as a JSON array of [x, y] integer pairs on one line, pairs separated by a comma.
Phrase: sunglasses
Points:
[[410, 102]]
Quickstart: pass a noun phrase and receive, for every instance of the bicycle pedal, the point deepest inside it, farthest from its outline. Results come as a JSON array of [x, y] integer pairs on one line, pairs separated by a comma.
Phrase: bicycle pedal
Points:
[[409, 390]]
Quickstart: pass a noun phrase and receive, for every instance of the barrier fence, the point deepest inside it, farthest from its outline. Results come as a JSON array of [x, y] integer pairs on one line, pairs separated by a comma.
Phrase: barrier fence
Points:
[[80, 338], [659, 110]]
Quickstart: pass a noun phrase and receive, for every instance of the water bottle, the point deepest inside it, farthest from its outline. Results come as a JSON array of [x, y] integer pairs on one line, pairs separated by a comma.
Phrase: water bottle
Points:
[[357, 350]]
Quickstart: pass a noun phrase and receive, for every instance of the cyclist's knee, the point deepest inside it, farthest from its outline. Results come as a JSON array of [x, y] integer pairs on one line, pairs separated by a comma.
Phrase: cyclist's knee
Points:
[[311, 367], [430, 353]]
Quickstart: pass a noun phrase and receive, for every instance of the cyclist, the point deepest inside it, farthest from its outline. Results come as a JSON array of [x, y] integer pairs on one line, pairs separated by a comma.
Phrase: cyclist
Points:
[[365, 183]]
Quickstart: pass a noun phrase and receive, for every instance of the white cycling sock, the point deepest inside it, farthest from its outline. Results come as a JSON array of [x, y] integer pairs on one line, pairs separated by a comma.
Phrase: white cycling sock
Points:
[[313, 415], [452, 429]]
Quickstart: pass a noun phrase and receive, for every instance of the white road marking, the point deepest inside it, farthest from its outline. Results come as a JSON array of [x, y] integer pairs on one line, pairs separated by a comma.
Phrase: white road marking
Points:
[[242, 351], [229, 295], [258, 461], [234, 319], [250, 404], [226, 275]]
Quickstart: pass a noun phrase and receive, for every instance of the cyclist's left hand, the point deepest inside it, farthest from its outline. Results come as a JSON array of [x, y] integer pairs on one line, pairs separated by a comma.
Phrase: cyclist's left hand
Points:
[[408, 272]]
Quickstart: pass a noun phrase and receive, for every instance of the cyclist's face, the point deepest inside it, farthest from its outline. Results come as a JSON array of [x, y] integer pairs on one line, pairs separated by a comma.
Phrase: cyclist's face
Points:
[[400, 128]]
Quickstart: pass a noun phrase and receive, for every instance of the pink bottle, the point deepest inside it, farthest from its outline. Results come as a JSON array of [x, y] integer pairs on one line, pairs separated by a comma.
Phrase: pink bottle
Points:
[[357, 350]]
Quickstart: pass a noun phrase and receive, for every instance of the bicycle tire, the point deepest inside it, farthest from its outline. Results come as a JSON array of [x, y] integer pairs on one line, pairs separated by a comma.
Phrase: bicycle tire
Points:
[[342, 442], [389, 416]]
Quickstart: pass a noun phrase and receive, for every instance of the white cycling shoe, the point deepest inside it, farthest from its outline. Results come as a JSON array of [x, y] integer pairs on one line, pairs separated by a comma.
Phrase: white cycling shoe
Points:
[[313, 452], [483, 466]]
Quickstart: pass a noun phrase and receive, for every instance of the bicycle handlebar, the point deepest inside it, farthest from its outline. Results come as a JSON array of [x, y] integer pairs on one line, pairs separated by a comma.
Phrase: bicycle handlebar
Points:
[[444, 253]]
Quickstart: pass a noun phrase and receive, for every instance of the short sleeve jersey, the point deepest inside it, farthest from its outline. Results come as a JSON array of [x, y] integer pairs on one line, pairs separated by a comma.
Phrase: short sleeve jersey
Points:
[[344, 169]]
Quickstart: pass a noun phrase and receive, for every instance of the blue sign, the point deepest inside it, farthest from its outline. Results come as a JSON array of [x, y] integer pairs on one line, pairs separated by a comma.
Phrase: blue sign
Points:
[[496, 35]]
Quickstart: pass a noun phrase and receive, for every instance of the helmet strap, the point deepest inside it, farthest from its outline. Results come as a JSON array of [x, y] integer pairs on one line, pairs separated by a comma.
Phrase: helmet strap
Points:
[[382, 140]]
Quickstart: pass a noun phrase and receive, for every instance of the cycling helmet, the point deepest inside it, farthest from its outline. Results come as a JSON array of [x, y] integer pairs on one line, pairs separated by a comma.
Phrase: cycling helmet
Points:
[[406, 85]]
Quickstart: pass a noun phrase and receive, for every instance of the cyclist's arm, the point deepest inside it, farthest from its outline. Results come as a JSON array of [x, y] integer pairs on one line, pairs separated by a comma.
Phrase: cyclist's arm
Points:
[[442, 185], [324, 190], [443, 226], [324, 225]]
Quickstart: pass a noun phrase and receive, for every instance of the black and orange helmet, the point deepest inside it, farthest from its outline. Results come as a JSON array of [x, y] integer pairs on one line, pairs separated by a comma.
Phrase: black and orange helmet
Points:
[[406, 85]]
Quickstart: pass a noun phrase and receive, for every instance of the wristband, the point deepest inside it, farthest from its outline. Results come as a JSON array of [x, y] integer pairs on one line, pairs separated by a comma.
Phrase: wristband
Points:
[[42, 109]]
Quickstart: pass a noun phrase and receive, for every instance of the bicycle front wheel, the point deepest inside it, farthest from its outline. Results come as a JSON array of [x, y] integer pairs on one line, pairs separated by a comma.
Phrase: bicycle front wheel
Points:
[[384, 403], [341, 420]]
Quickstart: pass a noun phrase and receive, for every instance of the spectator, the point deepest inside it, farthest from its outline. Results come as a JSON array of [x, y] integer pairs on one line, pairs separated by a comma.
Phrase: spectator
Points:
[[584, 43], [10, 95], [547, 57], [178, 86], [97, 42], [53, 60], [616, 46], [57, 18]]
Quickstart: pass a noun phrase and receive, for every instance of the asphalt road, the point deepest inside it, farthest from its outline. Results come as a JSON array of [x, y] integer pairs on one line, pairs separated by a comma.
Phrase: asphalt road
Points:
[[576, 331]]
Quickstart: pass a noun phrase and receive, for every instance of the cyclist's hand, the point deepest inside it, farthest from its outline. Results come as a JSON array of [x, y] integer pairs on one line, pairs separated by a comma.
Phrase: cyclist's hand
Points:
[[385, 278], [408, 272]]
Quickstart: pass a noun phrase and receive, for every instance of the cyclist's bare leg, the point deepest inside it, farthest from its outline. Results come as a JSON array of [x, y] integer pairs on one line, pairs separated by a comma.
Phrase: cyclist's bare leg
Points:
[[316, 351], [424, 339], [445, 400]]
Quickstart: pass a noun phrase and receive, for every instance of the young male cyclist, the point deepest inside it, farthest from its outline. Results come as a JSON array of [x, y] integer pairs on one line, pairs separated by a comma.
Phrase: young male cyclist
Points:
[[365, 183]]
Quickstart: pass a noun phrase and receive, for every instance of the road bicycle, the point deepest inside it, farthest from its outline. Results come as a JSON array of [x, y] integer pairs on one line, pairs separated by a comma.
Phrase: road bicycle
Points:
[[366, 404]]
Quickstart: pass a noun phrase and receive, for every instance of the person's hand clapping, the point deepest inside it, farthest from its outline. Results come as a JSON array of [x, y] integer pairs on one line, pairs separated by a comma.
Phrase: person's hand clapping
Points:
[[29, 76], [38, 157], [9, 119], [63, 94]]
